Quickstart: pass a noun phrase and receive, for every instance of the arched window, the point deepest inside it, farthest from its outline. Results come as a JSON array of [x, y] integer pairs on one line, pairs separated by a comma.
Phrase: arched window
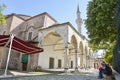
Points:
[[4, 32], [30, 36]]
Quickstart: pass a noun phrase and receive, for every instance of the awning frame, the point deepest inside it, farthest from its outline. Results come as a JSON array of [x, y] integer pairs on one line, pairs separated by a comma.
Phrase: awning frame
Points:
[[8, 58], [13, 42]]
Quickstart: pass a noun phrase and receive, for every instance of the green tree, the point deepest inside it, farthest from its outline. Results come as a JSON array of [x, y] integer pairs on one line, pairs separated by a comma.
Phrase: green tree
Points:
[[100, 24], [109, 53], [2, 17]]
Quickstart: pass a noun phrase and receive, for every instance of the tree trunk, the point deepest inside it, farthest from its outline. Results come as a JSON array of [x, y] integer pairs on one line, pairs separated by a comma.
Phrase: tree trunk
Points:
[[116, 55]]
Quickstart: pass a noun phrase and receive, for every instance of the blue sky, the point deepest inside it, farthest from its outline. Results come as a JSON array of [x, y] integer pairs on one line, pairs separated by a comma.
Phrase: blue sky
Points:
[[61, 10]]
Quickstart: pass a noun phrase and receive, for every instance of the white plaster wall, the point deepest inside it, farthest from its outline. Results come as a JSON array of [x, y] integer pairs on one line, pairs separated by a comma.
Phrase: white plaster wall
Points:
[[72, 58], [48, 52], [78, 61]]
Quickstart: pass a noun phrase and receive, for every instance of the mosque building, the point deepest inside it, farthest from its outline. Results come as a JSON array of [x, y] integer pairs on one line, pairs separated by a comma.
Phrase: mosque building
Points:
[[64, 46]]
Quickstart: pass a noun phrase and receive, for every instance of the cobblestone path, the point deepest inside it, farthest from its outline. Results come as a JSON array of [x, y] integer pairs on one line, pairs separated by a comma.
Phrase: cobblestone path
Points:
[[87, 75]]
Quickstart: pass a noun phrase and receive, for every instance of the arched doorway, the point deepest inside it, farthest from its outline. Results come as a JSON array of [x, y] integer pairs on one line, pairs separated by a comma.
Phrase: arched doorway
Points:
[[24, 62], [73, 57], [54, 51]]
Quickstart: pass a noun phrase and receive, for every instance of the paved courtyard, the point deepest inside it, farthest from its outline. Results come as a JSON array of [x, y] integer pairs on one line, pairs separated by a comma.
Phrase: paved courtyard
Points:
[[90, 74]]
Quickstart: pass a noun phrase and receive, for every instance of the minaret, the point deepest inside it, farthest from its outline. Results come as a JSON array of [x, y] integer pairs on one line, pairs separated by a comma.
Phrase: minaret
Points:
[[79, 20]]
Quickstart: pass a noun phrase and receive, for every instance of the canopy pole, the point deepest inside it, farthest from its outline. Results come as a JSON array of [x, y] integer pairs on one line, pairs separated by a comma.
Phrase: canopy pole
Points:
[[11, 40]]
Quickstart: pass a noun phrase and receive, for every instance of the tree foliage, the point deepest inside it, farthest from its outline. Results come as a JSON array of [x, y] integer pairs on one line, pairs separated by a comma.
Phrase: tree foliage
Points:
[[109, 53], [2, 17], [101, 27], [100, 23]]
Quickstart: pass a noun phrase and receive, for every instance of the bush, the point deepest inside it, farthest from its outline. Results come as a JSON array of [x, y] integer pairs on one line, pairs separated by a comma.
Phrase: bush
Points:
[[37, 68]]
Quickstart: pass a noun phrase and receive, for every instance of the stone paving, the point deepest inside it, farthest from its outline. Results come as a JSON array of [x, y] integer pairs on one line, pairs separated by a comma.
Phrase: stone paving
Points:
[[81, 75]]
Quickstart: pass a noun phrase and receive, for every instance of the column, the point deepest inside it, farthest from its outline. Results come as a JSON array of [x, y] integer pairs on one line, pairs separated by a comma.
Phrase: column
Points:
[[76, 59], [81, 59], [86, 61], [28, 64], [66, 58], [19, 62]]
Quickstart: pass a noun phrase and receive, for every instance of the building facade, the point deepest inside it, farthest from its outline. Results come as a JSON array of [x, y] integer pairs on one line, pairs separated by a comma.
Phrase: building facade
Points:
[[97, 62], [64, 46]]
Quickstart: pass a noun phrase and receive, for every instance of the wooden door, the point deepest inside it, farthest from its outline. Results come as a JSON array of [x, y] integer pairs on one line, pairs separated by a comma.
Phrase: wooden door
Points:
[[59, 63], [51, 63]]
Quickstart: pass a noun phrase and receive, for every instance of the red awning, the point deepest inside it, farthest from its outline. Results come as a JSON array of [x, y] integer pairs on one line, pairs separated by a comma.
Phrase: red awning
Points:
[[19, 45]]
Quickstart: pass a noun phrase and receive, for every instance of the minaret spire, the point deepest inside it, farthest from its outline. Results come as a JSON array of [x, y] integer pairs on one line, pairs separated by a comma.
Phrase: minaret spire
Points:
[[79, 20], [78, 11]]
